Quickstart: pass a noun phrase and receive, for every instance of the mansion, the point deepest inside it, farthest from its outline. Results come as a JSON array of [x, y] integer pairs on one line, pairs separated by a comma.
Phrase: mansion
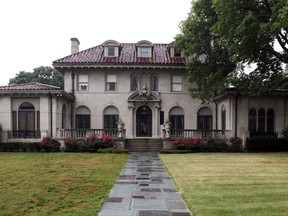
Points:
[[140, 84]]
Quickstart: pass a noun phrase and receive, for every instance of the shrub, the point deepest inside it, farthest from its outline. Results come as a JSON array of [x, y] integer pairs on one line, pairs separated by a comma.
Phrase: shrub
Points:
[[19, 146], [50, 144], [191, 144], [266, 144], [285, 132], [235, 144], [214, 145], [94, 142], [196, 145], [75, 145]]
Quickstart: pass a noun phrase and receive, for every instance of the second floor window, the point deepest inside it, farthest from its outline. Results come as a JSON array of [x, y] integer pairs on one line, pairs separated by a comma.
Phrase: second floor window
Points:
[[154, 82], [82, 82], [134, 82], [177, 83], [111, 83]]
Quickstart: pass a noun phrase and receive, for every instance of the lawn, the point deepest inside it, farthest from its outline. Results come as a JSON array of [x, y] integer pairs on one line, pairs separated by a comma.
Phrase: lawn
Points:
[[232, 184], [56, 183]]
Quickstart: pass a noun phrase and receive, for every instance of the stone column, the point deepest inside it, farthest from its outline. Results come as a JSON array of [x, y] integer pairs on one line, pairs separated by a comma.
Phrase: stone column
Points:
[[131, 108], [156, 120]]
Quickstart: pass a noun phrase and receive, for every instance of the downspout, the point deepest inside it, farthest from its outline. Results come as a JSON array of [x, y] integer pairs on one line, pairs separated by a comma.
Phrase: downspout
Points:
[[51, 114], [73, 93], [216, 115], [236, 113]]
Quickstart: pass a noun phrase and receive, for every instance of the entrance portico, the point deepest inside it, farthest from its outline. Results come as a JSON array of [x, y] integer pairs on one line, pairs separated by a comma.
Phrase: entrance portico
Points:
[[144, 109]]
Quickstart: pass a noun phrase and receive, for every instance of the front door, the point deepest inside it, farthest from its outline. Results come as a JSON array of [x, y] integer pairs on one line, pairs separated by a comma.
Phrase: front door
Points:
[[144, 122]]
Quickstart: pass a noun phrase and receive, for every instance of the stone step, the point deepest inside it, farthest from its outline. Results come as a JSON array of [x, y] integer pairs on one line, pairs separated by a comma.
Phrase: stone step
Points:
[[144, 145]]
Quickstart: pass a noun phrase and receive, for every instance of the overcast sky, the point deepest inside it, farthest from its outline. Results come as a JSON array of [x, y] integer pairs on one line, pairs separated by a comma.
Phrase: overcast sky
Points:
[[36, 32]]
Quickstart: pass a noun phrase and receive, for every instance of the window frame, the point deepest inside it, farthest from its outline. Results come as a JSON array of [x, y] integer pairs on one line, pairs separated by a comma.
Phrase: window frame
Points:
[[174, 83], [109, 84], [83, 83], [144, 52], [111, 51]]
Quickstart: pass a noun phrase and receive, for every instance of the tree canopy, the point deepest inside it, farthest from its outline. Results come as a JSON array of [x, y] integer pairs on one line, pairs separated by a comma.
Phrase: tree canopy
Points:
[[243, 43], [42, 74]]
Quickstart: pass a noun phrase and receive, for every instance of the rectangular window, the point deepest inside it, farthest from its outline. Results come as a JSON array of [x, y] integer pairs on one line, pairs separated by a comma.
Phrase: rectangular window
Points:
[[83, 82], [204, 123], [111, 51], [177, 83], [144, 52], [110, 121], [111, 83], [177, 53], [83, 121]]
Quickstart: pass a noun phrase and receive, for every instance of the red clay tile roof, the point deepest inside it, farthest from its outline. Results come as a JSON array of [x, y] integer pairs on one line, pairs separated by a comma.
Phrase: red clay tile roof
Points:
[[29, 86], [127, 56]]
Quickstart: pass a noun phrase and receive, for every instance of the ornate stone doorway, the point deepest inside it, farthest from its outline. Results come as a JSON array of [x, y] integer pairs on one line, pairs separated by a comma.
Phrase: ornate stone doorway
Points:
[[144, 122]]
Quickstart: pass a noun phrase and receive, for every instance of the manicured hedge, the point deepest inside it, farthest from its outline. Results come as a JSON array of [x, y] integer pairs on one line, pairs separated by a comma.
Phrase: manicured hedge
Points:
[[266, 144], [19, 146]]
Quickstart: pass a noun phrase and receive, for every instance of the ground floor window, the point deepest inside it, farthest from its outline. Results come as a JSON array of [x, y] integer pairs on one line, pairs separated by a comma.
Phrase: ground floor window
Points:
[[111, 116], [83, 118], [26, 121], [204, 119], [261, 122]]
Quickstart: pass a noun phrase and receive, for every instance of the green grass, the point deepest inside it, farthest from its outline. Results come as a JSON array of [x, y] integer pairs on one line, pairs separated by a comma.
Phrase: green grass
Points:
[[56, 183], [232, 184]]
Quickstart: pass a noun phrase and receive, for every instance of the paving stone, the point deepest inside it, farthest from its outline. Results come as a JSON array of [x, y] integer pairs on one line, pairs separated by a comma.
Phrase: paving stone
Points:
[[154, 213], [180, 214], [115, 199], [149, 204], [169, 190], [150, 190], [117, 213]]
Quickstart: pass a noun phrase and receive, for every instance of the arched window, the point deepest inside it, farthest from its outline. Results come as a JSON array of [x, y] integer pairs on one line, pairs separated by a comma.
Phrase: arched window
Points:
[[154, 82], [176, 117], [204, 119], [252, 120], [83, 118], [270, 121], [261, 120], [26, 117], [134, 79], [64, 116], [223, 118], [111, 116]]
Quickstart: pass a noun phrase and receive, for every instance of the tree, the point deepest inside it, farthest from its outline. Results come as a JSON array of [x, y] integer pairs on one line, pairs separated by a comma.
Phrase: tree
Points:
[[45, 75], [224, 38]]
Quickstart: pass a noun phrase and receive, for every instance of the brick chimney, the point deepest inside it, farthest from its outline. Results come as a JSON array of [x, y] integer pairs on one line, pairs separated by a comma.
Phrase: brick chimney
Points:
[[74, 45]]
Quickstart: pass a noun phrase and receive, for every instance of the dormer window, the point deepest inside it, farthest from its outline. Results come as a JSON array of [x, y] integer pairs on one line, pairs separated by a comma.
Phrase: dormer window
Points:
[[111, 51], [177, 53], [144, 49], [111, 48], [174, 53], [144, 52]]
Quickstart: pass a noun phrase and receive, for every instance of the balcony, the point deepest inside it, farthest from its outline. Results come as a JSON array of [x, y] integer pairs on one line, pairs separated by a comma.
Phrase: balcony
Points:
[[202, 134], [83, 133]]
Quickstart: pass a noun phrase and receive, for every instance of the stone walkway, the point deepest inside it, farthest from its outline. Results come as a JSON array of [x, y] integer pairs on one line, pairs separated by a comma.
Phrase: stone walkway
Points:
[[144, 188]]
